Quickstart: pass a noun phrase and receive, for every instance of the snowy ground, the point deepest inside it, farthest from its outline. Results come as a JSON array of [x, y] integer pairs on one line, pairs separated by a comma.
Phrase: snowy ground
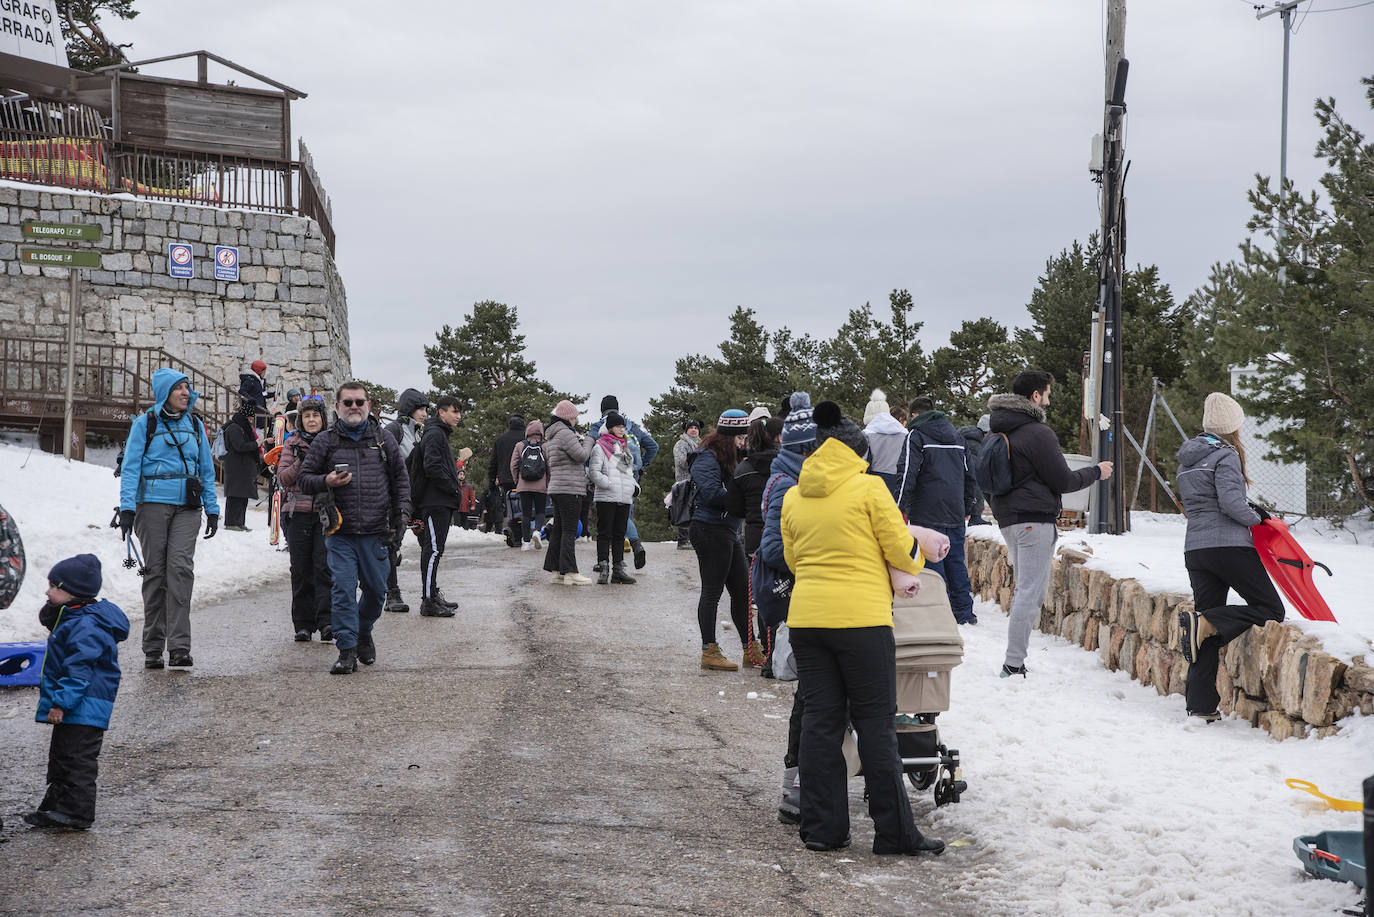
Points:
[[1153, 554], [64, 508]]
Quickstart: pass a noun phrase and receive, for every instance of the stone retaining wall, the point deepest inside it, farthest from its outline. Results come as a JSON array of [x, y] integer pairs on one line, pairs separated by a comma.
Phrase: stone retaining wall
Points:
[[1277, 677]]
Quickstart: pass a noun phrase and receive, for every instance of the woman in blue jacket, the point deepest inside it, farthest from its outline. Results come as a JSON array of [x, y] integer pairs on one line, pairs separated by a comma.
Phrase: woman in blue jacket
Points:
[[715, 536]]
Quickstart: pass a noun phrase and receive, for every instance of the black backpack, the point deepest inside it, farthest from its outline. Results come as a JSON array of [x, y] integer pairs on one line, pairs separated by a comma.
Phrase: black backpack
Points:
[[532, 465], [684, 502], [415, 468], [992, 467]]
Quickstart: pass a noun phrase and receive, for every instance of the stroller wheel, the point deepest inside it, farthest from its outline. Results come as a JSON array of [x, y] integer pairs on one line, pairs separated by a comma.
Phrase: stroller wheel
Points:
[[923, 778]]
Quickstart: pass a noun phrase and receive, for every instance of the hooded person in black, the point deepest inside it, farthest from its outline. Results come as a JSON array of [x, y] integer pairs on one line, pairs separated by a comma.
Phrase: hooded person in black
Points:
[[499, 478], [439, 495], [412, 410]]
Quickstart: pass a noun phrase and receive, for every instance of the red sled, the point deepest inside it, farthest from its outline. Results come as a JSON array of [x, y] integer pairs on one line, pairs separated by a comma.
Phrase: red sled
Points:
[[1291, 569]]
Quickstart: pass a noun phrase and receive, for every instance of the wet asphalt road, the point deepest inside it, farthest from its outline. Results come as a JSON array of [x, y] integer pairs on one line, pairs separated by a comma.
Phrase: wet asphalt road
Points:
[[552, 750]]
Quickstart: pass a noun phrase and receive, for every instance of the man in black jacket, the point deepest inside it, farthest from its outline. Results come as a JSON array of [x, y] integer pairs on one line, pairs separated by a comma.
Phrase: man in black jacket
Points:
[[937, 490], [360, 465], [412, 410], [436, 502], [499, 480], [1027, 513]]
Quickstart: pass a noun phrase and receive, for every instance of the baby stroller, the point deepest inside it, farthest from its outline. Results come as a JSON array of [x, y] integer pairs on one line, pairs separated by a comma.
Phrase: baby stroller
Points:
[[514, 518], [928, 648]]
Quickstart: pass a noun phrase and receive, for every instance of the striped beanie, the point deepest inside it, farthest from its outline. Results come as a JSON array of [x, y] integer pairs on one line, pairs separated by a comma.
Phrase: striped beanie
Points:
[[733, 421], [799, 427]]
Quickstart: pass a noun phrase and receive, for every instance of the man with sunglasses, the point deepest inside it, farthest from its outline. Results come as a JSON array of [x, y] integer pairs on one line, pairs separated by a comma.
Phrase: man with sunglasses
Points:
[[360, 464]]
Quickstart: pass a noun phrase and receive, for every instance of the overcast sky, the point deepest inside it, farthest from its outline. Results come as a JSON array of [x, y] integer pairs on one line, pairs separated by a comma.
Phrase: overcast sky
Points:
[[626, 173]]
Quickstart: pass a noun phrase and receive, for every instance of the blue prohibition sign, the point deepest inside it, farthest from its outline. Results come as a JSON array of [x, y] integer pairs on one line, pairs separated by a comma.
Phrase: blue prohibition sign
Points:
[[180, 261], [226, 263]]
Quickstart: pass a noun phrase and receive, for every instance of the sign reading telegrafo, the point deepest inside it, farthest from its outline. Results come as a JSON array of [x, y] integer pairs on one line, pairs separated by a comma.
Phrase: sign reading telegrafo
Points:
[[30, 28]]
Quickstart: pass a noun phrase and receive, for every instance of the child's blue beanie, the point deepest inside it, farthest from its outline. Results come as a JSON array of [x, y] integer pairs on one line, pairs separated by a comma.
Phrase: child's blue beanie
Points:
[[79, 575]]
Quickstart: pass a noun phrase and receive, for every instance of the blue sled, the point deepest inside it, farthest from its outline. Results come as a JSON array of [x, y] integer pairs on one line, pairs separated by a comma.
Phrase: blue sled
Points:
[[21, 664], [1337, 855]]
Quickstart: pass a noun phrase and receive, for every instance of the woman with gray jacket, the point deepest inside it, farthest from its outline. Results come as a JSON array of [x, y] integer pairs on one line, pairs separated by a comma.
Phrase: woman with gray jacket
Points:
[[612, 472], [566, 452], [1218, 550]]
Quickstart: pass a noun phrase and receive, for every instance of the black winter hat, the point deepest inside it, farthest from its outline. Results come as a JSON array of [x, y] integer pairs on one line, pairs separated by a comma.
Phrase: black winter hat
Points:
[[79, 575], [613, 419], [690, 422], [831, 423], [610, 403]]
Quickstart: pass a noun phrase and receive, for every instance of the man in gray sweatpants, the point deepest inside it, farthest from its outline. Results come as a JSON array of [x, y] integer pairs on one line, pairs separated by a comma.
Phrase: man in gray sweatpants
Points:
[[1027, 513]]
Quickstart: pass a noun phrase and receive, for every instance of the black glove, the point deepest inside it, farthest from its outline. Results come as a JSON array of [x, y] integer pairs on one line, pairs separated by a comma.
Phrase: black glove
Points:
[[126, 522], [395, 523], [211, 525], [1263, 513]]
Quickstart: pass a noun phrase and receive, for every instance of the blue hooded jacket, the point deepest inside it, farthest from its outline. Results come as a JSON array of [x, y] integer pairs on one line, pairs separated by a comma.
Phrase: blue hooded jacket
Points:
[[643, 447], [783, 475], [81, 667], [158, 475]]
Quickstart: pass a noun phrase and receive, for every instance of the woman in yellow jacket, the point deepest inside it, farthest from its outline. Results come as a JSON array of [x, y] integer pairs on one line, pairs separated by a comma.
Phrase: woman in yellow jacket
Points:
[[840, 531]]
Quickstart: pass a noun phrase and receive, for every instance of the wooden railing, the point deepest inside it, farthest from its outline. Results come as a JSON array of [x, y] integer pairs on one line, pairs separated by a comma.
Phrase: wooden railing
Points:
[[113, 376]]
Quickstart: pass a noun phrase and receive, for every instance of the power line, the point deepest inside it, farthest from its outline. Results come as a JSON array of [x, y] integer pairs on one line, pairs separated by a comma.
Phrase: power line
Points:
[[1337, 9], [1304, 16]]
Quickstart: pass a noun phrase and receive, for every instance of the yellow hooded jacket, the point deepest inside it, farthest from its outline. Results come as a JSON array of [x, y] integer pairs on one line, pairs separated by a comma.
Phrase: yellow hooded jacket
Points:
[[840, 530]]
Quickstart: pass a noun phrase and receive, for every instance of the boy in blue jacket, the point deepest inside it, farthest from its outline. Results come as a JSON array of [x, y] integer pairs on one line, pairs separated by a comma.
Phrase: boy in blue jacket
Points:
[[77, 689]]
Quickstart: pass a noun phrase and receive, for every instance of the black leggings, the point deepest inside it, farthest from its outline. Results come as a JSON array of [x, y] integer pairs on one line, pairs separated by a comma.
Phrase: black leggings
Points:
[[611, 521], [1214, 571], [531, 509], [720, 558], [561, 556]]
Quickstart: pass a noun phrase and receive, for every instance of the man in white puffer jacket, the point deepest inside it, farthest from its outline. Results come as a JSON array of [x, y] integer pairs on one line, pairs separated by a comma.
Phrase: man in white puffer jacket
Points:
[[886, 437]]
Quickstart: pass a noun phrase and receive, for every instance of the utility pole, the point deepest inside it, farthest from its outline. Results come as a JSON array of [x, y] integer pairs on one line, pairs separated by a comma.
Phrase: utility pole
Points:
[[1109, 507], [1285, 11]]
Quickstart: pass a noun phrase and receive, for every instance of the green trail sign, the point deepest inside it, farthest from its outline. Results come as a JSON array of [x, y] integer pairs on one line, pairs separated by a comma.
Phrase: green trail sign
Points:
[[89, 232], [59, 257]]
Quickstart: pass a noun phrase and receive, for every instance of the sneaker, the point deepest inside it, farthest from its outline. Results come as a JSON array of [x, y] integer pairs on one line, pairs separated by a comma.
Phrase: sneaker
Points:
[[575, 579], [42, 819], [822, 846], [367, 650], [596, 567], [684, 546], [430, 608], [152, 662], [641, 557], [603, 574], [526, 546], [931, 845], [1187, 635], [754, 656], [1205, 717], [557, 579], [1010, 670], [395, 603], [346, 664], [714, 660], [302, 636], [180, 661], [536, 541], [789, 810]]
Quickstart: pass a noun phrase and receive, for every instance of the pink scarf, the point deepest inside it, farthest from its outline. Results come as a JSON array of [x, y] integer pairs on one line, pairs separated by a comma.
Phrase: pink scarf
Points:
[[609, 442]]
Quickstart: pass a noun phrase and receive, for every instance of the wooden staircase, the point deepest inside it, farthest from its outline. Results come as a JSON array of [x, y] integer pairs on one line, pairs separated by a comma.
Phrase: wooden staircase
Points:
[[112, 384]]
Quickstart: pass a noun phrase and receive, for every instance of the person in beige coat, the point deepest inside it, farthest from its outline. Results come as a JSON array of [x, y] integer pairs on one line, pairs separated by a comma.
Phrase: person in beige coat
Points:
[[567, 452]]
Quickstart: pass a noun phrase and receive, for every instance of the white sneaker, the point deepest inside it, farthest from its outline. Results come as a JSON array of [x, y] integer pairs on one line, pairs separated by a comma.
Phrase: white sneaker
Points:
[[557, 579], [575, 579], [536, 540], [525, 546]]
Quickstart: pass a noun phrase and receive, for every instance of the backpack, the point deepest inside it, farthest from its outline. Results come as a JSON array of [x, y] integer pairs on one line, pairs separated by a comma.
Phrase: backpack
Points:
[[220, 448], [415, 468], [150, 430], [532, 465], [684, 502], [992, 467]]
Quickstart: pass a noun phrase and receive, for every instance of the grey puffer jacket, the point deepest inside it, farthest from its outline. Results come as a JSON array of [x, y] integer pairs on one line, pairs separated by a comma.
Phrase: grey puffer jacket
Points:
[[566, 453], [380, 489], [1211, 487], [613, 475]]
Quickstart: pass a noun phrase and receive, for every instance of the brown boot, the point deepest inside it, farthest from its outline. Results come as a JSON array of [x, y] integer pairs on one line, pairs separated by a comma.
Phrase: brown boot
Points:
[[713, 659], [754, 656]]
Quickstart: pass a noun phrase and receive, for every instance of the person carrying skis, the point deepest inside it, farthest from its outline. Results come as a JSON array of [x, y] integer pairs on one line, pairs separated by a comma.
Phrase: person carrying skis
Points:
[[1218, 550]]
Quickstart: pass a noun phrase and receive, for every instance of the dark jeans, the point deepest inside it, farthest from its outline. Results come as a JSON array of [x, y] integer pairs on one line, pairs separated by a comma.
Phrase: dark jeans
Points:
[[73, 763], [235, 511], [356, 560], [611, 522], [310, 579], [531, 508], [561, 557], [849, 675], [720, 558], [1214, 571], [954, 570], [433, 535]]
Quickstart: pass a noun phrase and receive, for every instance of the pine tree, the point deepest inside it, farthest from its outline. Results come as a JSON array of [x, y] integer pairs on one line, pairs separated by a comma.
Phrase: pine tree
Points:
[[979, 361], [88, 47]]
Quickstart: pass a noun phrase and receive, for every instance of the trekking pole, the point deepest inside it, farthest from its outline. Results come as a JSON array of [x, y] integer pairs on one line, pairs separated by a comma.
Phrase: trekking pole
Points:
[[130, 553]]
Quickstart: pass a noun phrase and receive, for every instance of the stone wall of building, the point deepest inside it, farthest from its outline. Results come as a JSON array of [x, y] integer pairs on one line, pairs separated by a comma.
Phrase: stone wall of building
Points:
[[288, 308], [1276, 677]]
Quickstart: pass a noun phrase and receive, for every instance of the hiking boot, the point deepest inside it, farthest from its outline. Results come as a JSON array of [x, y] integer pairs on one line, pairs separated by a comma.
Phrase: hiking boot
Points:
[[641, 556], [1188, 639], [395, 603], [367, 650], [966, 618], [326, 634], [603, 574], [180, 661], [618, 575], [822, 846], [754, 656], [41, 819], [596, 567], [714, 660], [575, 579], [1010, 670], [430, 608], [1205, 717], [346, 664], [931, 845], [152, 662], [440, 598], [302, 636]]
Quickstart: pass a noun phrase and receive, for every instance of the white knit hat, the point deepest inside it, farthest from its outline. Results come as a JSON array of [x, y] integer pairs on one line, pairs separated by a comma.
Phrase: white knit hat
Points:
[[758, 412], [1221, 414], [877, 404]]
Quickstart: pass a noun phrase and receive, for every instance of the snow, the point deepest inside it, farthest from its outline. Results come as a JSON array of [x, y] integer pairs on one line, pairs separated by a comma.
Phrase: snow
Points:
[[64, 508], [1153, 554]]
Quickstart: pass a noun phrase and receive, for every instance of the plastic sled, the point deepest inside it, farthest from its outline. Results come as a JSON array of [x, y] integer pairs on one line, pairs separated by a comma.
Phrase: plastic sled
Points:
[[1340, 805], [1290, 568], [1337, 855], [21, 663]]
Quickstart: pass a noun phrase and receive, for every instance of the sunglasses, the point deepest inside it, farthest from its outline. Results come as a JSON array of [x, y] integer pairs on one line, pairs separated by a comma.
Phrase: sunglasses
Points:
[[353, 402]]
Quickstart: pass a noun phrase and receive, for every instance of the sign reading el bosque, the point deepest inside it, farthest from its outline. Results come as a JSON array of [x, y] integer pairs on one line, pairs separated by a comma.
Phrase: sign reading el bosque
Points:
[[30, 28]]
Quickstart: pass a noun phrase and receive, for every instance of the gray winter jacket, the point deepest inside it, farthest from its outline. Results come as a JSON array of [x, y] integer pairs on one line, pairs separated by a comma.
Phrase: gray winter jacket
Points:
[[404, 429], [1211, 487], [566, 453], [613, 476], [684, 445], [886, 437]]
